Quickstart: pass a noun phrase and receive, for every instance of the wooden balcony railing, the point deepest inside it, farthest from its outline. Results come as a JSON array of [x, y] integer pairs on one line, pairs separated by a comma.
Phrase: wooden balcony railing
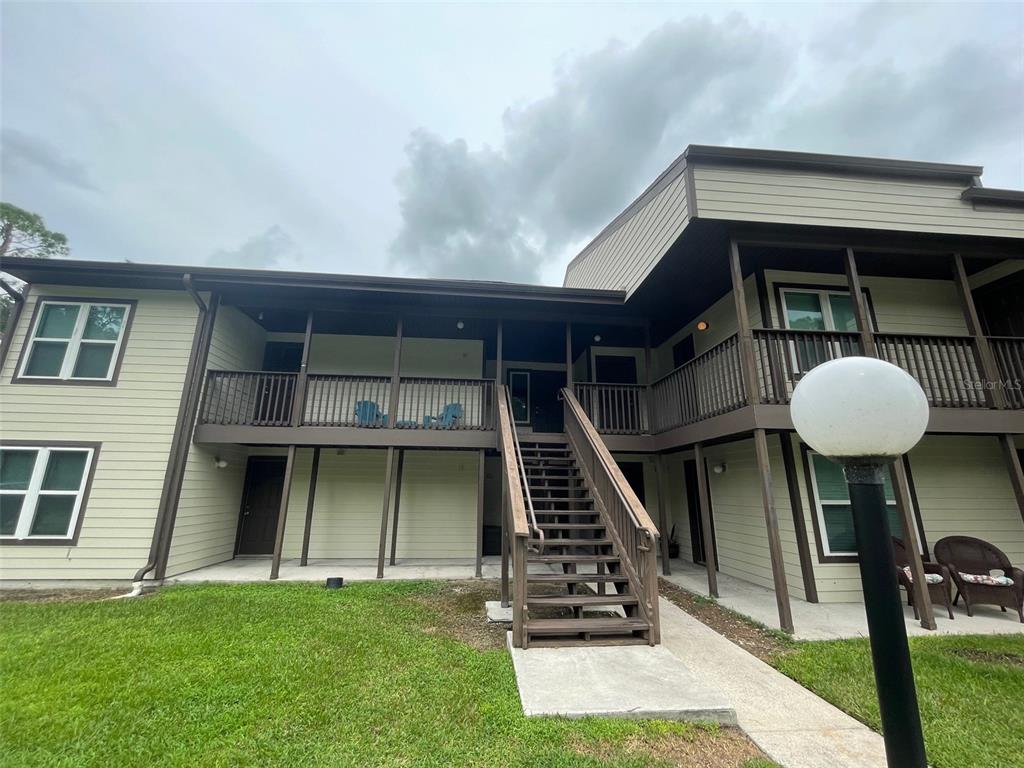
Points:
[[783, 356], [946, 367], [265, 399], [709, 385], [250, 398], [428, 403], [615, 409], [626, 521], [346, 401], [1008, 352]]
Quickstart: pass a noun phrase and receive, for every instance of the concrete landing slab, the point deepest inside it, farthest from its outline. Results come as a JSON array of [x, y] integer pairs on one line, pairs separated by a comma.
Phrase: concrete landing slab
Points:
[[496, 614], [630, 681]]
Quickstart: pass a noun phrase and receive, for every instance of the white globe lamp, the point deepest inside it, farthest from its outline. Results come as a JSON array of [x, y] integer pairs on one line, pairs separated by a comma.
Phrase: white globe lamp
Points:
[[864, 414]]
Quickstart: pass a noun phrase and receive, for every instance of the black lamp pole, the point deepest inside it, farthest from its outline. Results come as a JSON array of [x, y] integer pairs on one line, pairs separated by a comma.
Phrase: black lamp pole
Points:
[[894, 677]]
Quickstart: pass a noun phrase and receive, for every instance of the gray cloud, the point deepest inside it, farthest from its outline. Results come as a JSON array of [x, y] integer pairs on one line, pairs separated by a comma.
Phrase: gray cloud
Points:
[[968, 97], [570, 160], [23, 153], [268, 250]]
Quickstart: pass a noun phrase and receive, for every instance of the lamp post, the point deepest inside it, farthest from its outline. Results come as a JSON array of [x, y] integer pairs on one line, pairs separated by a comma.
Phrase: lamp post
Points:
[[863, 413]]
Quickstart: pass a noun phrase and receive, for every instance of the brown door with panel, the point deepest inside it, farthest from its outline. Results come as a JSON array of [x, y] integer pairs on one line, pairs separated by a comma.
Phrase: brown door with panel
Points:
[[261, 503]]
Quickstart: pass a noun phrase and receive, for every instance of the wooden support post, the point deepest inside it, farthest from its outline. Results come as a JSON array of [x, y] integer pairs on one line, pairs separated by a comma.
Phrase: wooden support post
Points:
[[704, 500], [480, 478], [799, 524], [646, 391], [504, 551], [912, 542], [1013, 465], [739, 297], [860, 307], [282, 515], [310, 498], [663, 521], [568, 356], [499, 363], [389, 465], [396, 369], [986, 361], [398, 501], [299, 395], [771, 520]]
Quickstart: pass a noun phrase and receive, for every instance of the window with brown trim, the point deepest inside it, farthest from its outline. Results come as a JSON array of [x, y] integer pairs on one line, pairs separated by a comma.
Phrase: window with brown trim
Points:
[[43, 490], [75, 341]]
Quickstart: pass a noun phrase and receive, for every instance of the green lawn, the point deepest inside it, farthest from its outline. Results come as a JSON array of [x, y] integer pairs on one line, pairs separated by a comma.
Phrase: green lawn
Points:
[[289, 675], [970, 690]]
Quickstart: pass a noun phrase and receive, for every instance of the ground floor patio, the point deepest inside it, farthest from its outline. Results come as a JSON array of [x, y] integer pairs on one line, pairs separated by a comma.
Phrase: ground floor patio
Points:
[[833, 621]]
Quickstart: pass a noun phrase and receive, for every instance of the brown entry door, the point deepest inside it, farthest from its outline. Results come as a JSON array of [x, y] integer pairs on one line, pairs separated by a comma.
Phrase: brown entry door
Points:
[[261, 503]]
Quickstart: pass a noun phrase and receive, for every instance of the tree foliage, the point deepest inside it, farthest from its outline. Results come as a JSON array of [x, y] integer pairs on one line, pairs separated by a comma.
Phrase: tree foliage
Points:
[[23, 233]]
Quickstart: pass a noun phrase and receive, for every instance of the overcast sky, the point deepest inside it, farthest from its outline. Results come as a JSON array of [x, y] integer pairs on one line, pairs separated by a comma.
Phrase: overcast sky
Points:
[[474, 141]]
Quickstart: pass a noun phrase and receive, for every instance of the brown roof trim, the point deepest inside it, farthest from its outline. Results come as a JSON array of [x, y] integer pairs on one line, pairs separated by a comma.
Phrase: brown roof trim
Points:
[[80, 272], [1013, 198], [811, 161]]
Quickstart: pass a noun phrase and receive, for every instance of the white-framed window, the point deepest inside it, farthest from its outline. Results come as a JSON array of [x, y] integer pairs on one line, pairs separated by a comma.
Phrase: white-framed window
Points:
[[810, 309], [42, 490], [75, 340], [835, 518]]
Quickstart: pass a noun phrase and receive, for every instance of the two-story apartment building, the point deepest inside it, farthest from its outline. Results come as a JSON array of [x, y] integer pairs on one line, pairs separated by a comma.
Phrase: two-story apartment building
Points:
[[159, 420]]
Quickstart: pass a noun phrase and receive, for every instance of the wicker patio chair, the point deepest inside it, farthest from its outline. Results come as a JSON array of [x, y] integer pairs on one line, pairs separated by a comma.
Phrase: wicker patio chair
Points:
[[970, 562], [940, 585]]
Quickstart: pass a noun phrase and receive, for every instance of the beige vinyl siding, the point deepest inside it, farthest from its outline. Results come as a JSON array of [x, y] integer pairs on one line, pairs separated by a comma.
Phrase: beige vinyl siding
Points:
[[901, 305], [134, 421], [437, 512], [833, 200], [622, 258], [208, 508], [740, 528], [721, 319], [375, 355]]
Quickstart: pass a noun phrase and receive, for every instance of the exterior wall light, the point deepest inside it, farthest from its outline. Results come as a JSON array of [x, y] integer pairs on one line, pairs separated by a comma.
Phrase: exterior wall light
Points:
[[703, 325], [719, 469], [220, 463], [864, 413], [460, 325]]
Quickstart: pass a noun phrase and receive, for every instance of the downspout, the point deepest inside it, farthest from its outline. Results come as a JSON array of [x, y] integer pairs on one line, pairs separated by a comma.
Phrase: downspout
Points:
[[12, 321], [182, 437]]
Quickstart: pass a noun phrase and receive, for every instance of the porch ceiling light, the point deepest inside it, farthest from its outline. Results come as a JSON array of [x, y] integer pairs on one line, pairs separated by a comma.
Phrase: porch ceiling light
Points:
[[460, 325], [703, 325], [597, 337], [859, 408]]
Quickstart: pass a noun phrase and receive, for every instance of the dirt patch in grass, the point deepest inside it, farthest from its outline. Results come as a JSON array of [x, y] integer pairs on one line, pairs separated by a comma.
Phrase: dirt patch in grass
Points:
[[461, 613], [69, 595], [695, 747], [767, 644], [989, 657]]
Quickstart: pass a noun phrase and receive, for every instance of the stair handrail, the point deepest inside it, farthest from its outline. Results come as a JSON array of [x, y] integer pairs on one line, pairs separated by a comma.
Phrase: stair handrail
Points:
[[637, 548], [537, 534]]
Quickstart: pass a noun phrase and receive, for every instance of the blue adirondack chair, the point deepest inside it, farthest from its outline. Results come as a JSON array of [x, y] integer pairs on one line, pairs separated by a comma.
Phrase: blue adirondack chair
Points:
[[368, 414], [449, 416]]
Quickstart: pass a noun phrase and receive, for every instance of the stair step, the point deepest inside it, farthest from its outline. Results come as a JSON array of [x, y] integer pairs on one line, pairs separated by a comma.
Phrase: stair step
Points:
[[552, 448], [577, 542], [571, 526], [602, 625], [575, 578], [567, 513], [557, 559], [541, 642], [572, 601]]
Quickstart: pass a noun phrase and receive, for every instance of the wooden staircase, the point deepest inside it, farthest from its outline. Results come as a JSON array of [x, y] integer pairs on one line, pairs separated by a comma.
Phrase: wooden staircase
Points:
[[576, 589]]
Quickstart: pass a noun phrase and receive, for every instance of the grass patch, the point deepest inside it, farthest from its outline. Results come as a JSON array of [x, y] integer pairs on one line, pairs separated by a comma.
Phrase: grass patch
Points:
[[969, 690], [382, 674]]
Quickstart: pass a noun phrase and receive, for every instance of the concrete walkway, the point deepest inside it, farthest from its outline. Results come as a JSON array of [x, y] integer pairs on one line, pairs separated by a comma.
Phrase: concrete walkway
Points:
[[631, 681], [793, 726], [834, 621]]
